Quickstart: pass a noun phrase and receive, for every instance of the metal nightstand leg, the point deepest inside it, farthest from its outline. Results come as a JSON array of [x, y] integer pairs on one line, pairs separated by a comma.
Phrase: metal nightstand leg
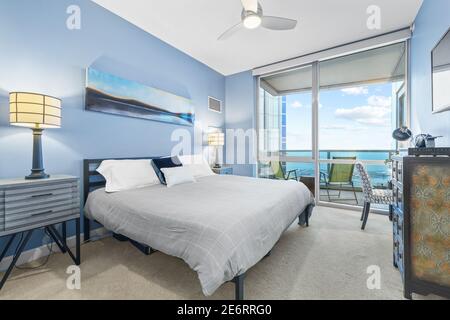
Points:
[[78, 240], [56, 238], [16, 256], [64, 232], [5, 250], [62, 243]]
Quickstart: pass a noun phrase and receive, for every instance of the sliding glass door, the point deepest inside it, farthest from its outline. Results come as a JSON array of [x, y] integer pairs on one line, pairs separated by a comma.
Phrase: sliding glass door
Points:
[[359, 99], [356, 120], [285, 123]]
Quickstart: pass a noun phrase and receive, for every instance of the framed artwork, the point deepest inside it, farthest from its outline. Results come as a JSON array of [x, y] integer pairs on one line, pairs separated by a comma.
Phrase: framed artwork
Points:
[[107, 93]]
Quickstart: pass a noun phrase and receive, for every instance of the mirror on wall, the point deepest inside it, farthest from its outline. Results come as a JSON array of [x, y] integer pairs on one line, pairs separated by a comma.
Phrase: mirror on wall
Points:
[[441, 74]]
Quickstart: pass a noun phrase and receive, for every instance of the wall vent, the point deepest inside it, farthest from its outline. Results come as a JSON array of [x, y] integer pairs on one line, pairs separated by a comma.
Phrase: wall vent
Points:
[[214, 104]]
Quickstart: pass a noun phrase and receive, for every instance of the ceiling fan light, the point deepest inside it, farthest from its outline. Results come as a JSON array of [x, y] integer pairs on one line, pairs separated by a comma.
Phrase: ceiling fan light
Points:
[[252, 21]]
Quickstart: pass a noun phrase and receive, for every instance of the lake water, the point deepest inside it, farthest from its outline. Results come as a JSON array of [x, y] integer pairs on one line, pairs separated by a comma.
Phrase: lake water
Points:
[[379, 174]]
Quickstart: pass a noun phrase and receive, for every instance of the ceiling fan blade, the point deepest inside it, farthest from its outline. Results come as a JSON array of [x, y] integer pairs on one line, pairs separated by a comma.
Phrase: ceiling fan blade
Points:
[[230, 31], [250, 5], [277, 23]]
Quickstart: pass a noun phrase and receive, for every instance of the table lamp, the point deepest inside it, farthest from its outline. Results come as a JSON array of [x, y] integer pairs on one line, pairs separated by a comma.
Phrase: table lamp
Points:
[[216, 139], [38, 112]]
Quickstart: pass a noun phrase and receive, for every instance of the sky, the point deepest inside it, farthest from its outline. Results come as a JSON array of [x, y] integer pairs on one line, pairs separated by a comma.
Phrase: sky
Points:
[[357, 118]]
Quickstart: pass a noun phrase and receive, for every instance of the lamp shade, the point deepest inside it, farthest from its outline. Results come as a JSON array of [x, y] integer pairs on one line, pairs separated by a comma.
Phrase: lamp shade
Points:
[[216, 139], [34, 110]]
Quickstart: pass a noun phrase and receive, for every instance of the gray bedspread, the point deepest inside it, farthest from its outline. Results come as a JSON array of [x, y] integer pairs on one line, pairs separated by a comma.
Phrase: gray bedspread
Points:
[[220, 226]]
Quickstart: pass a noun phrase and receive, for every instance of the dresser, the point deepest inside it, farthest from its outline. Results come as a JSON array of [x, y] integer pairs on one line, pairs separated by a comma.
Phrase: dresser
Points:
[[421, 223], [27, 205]]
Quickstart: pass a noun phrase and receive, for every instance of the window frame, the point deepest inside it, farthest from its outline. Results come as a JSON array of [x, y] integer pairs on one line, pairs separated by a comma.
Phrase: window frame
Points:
[[315, 159]]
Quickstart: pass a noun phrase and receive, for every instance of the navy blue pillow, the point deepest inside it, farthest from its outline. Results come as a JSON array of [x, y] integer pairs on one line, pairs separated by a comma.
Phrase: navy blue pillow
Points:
[[167, 162]]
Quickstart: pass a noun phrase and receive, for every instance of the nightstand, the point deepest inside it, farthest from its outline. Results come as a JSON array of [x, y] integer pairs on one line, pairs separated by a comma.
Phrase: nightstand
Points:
[[223, 170], [27, 205], [310, 183]]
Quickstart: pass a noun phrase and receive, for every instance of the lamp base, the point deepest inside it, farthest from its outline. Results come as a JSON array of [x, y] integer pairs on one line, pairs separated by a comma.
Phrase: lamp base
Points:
[[217, 166], [36, 175], [37, 170]]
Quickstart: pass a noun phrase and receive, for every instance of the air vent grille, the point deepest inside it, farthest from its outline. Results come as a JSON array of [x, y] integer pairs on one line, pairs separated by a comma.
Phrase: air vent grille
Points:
[[214, 104]]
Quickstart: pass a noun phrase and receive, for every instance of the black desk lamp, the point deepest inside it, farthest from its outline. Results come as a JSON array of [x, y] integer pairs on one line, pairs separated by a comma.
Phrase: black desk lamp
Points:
[[402, 134]]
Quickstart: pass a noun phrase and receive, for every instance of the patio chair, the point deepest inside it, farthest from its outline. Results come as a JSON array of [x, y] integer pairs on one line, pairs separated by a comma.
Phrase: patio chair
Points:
[[279, 173], [339, 175], [371, 195]]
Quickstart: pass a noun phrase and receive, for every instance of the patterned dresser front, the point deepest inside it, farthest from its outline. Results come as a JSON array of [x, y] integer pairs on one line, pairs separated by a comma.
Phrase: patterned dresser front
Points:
[[422, 224], [26, 204], [397, 226]]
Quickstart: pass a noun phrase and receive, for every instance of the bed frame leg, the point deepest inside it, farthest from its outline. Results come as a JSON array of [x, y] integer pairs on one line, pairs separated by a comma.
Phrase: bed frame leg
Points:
[[307, 217], [239, 287], [307, 213]]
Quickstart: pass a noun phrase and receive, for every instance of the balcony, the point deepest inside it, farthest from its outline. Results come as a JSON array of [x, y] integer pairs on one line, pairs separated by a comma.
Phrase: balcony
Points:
[[377, 163]]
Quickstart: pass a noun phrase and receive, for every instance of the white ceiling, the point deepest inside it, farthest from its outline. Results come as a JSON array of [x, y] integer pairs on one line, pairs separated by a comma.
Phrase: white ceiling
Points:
[[193, 27]]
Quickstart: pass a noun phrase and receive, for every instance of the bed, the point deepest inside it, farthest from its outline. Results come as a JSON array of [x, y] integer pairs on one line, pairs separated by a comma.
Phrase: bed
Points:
[[221, 226]]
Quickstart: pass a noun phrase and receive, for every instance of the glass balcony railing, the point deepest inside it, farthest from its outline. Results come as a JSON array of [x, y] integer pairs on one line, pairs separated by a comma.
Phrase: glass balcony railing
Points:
[[345, 192]]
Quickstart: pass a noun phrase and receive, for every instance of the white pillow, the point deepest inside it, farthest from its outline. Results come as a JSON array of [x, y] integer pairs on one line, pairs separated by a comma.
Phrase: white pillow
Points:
[[123, 175], [197, 164], [177, 175]]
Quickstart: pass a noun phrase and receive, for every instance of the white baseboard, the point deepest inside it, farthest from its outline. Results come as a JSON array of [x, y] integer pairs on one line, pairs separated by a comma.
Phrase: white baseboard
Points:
[[42, 251]]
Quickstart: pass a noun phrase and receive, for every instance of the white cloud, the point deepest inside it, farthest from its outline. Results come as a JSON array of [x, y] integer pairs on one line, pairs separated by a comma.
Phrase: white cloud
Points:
[[343, 127], [377, 112], [366, 115], [356, 91], [380, 101], [296, 104]]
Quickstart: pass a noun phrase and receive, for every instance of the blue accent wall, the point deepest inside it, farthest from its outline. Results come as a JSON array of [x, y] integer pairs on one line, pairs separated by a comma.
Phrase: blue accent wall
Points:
[[431, 24], [40, 54], [240, 114]]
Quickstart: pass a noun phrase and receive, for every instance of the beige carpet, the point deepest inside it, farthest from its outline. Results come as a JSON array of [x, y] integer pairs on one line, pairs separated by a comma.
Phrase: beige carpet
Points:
[[328, 260]]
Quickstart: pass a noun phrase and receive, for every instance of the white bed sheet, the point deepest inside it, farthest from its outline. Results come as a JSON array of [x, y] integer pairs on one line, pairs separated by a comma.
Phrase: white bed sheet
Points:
[[220, 226]]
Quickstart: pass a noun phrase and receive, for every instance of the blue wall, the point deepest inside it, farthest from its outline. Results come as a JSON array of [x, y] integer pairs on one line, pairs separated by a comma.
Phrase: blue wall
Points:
[[240, 114], [39, 54], [431, 24]]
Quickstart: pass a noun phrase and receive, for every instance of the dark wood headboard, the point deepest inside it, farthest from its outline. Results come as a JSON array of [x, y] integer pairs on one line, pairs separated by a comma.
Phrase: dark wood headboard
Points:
[[93, 180]]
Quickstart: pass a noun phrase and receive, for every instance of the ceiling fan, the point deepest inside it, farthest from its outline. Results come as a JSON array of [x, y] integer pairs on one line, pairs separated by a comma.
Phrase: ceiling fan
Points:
[[252, 17]]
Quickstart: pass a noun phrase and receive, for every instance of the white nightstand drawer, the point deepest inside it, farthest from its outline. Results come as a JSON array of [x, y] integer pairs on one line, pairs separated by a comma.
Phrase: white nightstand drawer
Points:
[[28, 203], [37, 193], [63, 200], [39, 216]]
